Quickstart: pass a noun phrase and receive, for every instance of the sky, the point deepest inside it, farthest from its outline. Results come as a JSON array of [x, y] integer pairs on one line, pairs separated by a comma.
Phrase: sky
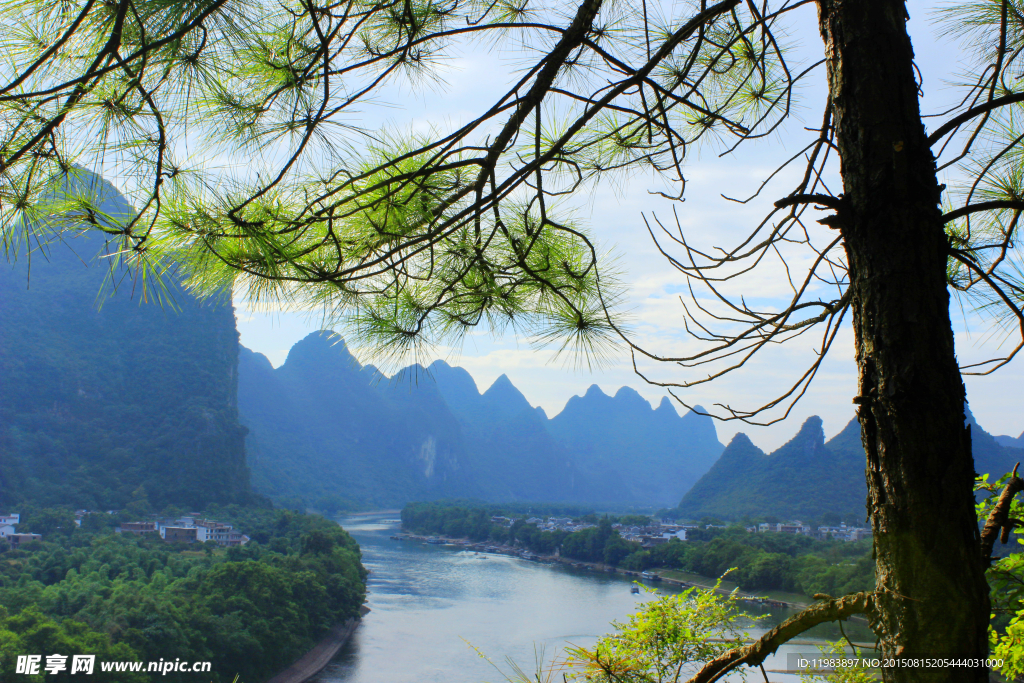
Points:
[[615, 216]]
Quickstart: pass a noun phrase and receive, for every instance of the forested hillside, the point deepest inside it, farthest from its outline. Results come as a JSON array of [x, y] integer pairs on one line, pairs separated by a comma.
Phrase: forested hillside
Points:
[[98, 401], [808, 477], [249, 610], [328, 431], [333, 434]]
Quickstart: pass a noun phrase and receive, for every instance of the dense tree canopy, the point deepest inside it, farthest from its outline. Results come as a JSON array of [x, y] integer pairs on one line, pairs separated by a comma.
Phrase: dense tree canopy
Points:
[[250, 610]]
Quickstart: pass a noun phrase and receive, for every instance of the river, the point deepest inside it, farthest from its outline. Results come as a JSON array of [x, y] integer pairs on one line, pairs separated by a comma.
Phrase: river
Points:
[[436, 609]]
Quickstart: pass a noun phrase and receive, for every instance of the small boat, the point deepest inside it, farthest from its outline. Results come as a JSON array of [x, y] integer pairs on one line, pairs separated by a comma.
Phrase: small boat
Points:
[[634, 589]]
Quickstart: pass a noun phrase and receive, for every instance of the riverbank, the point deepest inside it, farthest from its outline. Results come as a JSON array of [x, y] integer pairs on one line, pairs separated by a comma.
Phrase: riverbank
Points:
[[654, 576], [313, 662]]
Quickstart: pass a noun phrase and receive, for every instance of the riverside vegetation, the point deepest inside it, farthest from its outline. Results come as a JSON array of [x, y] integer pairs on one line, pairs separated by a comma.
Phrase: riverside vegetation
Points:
[[667, 639], [250, 610], [785, 562]]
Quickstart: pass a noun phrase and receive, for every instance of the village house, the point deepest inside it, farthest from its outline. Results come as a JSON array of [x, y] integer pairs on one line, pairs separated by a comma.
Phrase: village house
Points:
[[178, 534], [17, 539], [188, 530], [8, 533], [222, 534]]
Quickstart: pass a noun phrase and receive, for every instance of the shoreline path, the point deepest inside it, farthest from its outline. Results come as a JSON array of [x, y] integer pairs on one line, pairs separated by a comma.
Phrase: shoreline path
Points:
[[313, 662]]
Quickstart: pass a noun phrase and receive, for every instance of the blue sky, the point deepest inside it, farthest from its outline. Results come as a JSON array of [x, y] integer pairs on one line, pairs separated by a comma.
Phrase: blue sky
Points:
[[614, 215]]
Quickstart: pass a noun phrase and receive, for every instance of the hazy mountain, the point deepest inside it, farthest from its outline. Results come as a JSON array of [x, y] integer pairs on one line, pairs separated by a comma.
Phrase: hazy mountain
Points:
[[1010, 442], [326, 429], [808, 477], [98, 400], [322, 427], [990, 456], [803, 478], [647, 454], [512, 454]]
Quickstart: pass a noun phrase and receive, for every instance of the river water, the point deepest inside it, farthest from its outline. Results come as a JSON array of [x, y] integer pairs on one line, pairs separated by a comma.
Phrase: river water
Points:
[[435, 610]]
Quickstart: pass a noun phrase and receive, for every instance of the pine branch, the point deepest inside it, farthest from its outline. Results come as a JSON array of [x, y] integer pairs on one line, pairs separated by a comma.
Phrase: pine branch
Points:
[[754, 654], [983, 206], [956, 121], [999, 519]]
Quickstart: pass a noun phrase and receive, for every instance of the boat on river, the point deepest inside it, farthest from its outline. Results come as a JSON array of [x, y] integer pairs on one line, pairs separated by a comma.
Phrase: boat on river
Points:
[[650, 576]]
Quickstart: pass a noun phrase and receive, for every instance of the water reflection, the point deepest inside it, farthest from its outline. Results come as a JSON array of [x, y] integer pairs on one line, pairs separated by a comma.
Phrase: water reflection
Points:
[[434, 608]]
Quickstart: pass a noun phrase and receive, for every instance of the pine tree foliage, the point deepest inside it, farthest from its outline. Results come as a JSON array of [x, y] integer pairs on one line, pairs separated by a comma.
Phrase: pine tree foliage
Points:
[[235, 127], [408, 238]]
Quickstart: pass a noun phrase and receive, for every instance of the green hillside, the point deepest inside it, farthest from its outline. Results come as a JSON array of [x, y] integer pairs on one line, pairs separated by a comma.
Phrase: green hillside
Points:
[[96, 401], [807, 477]]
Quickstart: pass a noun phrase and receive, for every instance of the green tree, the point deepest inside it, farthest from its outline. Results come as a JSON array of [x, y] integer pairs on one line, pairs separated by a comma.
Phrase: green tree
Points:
[[416, 238], [1001, 512], [48, 521], [31, 632], [667, 641], [139, 507]]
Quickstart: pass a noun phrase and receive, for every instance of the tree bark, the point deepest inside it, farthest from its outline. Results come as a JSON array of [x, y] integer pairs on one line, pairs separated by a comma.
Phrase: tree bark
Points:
[[932, 598]]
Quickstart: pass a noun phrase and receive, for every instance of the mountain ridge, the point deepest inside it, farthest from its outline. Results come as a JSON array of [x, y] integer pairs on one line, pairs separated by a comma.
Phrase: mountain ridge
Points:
[[497, 447], [793, 480]]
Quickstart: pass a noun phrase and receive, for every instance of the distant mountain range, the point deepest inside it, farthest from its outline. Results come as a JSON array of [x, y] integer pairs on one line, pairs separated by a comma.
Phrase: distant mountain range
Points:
[[1011, 442], [335, 433], [808, 477], [96, 402]]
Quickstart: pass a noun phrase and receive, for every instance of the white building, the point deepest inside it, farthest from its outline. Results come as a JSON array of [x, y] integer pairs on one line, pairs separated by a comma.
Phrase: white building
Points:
[[220, 533], [7, 522]]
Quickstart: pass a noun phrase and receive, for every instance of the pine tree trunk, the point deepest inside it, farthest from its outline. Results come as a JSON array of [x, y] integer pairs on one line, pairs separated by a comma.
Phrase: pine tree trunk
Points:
[[933, 598]]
